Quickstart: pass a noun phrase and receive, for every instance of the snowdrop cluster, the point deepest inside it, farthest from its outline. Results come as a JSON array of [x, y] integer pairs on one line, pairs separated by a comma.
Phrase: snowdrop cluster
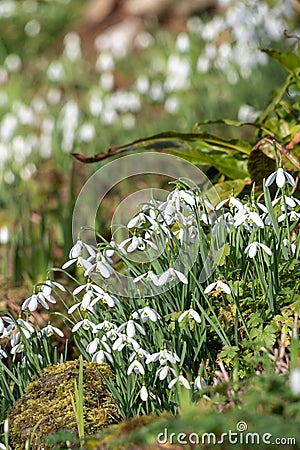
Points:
[[154, 339]]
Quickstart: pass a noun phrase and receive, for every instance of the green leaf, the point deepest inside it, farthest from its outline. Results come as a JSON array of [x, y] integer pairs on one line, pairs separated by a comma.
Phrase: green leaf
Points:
[[289, 60], [226, 155]]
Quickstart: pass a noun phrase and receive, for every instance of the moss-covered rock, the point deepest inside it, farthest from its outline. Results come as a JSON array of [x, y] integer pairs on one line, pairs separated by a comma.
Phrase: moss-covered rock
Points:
[[47, 407]]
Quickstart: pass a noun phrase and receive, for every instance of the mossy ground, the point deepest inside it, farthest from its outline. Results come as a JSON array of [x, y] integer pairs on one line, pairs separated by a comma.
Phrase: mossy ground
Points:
[[47, 407]]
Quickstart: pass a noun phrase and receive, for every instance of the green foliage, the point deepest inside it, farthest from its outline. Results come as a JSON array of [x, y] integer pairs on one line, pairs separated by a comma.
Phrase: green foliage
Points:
[[237, 159], [265, 404]]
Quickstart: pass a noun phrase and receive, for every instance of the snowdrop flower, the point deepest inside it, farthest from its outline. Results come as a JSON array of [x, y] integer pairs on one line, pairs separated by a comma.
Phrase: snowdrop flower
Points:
[[110, 300], [137, 367], [199, 383], [82, 307], [163, 356], [170, 275], [131, 327], [149, 276], [47, 287], [101, 356], [104, 352], [181, 380], [146, 313], [105, 326], [112, 334], [137, 243], [252, 248], [18, 348], [280, 176], [139, 353], [89, 300], [49, 330], [232, 202], [101, 266], [32, 302], [139, 220], [124, 340], [292, 215], [92, 346], [85, 324], [249, 217], [26, 327], [88, 287], [191, 314], [76, 252], [144, 394], [218, 285], [295, 381], [163, 371], [293, 245]]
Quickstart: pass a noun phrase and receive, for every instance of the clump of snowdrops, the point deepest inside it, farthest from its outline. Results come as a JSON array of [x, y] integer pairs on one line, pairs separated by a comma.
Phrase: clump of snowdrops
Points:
[[212, 280]]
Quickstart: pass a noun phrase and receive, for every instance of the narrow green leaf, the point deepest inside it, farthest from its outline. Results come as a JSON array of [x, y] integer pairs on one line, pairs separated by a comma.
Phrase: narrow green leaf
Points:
[[289, 60]]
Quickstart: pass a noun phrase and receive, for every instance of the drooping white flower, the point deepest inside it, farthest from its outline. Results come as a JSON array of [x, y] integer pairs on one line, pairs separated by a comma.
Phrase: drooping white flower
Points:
[[232, 202], [293, 216], [77, 251], [248, 217], [170, 275], [280, 176], [124, 340], [181, 380], [191, 314], [131, 327], [218, 285], [85, 324], [100, 266], [20, 324], [139, 353], [101, 356], [252, 248], [163, 356], [144, 394], [88, 286], [137, 243], [163, 371], [32, 302], [139, 220], [49, 330], [199, 383], [105, 326], [150, 275], [110, 300], [146, 313], [137, 367]]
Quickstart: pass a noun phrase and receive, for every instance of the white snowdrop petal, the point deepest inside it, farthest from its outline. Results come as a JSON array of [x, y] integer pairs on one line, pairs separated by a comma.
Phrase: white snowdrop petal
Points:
[[280, 178], [72, 309], [209, 288], [79, 289], [266, 249], [144, 394]]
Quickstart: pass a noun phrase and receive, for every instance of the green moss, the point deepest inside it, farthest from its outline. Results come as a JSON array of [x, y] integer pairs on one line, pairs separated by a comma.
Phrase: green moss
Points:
[[47, 404]]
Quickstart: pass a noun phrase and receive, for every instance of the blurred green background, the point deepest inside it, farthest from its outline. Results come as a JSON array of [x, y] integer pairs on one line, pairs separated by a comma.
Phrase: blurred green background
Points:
[[78, 76]]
